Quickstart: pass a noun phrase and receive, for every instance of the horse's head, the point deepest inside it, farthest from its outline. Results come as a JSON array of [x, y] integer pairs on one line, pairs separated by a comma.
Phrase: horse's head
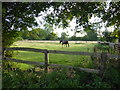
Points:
[[60, 41]]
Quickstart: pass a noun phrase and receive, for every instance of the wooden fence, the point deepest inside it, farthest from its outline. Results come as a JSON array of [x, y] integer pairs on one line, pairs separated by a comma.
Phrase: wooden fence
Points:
[[102, 56]]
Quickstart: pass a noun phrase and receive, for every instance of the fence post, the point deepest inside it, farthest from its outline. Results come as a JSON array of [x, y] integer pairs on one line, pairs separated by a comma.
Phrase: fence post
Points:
[[103, 63], [46, 60]]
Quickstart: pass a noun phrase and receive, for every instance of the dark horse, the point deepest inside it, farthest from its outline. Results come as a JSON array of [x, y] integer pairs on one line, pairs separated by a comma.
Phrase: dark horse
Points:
[[64, 42]]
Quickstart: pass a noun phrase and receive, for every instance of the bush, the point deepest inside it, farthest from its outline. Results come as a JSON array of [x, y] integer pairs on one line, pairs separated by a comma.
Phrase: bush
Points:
[[55, 79], [112, 75]]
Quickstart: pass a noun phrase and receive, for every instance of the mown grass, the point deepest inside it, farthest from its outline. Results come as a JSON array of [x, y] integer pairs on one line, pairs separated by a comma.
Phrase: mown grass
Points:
[[72, 60]]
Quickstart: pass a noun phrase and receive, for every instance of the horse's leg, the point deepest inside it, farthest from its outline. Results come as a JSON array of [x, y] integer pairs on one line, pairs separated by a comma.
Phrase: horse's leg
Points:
[[68, 44], [62, 45]]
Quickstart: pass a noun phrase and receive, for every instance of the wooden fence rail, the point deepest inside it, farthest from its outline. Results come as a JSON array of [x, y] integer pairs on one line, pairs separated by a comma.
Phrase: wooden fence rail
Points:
[[41, 63], [102, 56]]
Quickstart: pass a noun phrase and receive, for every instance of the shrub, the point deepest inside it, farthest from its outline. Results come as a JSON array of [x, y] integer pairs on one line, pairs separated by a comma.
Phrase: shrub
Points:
[[55, 79]]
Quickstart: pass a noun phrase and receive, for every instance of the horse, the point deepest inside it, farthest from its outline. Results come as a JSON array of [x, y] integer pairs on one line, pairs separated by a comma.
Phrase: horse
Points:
[[64, 42]]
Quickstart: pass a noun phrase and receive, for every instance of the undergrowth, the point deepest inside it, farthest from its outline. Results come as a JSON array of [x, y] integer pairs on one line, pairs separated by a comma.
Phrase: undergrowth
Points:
[[61, 78]]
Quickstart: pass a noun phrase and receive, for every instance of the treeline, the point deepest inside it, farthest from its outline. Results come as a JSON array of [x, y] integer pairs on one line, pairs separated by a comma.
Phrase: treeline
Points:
[[38, 34], [41, 34], [91, 36]]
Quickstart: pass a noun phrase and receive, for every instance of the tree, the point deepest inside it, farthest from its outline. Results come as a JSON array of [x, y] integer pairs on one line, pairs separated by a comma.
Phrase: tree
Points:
[[106, 36], [42, 34], [91, 36], [48, 28], [51, 36], [34, 34], [17, 16], [115, 35], [20, 15], [112, 15], [25, 34], [64, 36], [64, 12]]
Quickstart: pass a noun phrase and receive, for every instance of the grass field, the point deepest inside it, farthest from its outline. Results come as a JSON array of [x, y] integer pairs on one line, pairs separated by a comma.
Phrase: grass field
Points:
[[73, 60]]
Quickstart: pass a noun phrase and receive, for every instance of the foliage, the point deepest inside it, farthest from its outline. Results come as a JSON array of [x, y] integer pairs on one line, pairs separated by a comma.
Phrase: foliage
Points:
[[112, 75], [103, 48], [9, 37], [108, 36], [75, 38], [38, 34], [48, 28], [59, 78], [91, 36], [20, 15], [51, 36], [34, 34], [112, 14], [17, 16], [65, 11], [116, 34], [64, 36], [56, 79]]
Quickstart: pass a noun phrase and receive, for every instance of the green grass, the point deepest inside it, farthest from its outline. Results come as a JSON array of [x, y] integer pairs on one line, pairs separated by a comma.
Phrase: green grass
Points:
[[73, 60]]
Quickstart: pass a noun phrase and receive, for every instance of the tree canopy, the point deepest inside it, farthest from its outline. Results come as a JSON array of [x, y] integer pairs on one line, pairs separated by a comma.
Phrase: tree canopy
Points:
[[20, 15], [112, 15], [64, 12], [17, 16]]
